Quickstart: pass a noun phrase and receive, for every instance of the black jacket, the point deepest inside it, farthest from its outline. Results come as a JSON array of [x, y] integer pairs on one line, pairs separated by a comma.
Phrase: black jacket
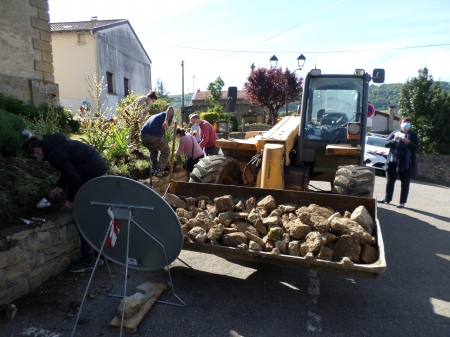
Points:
[[413, 146], [77, 162]]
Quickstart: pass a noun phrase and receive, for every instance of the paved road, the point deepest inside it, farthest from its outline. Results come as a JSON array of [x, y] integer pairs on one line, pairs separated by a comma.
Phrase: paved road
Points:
[[412, 298]]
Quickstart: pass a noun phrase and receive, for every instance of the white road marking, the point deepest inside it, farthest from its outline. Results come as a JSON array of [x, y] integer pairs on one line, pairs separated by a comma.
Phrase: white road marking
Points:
[[36, 332], [314, 320]]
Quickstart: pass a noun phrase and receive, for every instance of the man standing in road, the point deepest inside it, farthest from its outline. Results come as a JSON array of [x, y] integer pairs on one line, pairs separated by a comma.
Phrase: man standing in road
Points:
[[78, 163], [152, 136], [208, 135], [402, 161]]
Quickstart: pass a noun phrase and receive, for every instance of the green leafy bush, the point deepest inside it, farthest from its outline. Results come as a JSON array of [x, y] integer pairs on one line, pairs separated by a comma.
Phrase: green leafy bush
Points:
[[233, 120], [11, 138], [17, 107], [210, 117]]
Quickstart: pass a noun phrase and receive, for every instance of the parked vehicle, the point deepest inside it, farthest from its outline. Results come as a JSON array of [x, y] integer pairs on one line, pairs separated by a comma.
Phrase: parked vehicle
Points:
[[375, 154]]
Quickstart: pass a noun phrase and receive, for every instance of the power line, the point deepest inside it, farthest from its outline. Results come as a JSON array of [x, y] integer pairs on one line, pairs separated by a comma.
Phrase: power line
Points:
[[296, 52], [284, 31], [286, 52]]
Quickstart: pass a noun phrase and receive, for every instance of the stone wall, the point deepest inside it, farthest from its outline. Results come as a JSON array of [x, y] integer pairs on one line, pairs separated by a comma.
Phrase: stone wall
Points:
[[434, 167], [26, 64], [29, 255]]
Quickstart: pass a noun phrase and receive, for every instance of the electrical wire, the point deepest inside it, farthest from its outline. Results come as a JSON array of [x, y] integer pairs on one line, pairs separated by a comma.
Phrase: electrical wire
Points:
[[288, 52]]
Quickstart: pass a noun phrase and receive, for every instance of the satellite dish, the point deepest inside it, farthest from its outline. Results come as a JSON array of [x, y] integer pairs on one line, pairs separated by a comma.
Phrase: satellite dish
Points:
[[150, 213]]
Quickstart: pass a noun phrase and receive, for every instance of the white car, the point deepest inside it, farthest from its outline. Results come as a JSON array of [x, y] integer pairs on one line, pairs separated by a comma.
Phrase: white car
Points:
[[376, 153]]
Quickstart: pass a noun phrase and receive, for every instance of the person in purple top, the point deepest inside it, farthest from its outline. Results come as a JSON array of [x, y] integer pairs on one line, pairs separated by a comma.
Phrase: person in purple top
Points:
[[189, 146]]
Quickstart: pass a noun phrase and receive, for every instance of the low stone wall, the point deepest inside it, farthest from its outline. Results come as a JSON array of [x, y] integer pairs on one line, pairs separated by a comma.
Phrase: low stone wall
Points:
[[29, 255], [434, 167]]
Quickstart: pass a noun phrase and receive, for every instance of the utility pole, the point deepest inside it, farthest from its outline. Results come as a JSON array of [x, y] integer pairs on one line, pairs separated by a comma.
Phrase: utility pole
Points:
[[182, 87]]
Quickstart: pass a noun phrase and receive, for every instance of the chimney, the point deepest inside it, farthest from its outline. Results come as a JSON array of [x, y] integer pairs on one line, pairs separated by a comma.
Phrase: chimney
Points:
[[391, 107], [94, 18]]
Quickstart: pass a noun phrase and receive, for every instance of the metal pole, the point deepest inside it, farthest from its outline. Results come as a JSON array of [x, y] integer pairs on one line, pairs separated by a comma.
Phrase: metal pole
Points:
[[182, 86], [286, 91]]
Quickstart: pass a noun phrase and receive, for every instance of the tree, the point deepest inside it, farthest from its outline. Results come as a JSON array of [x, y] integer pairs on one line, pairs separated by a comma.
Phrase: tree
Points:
[[267, 88], [428, 105], [160, 90], [215, 97]]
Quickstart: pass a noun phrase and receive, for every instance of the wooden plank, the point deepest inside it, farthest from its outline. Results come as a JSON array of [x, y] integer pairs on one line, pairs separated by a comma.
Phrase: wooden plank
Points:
[[343, 149], [130, 324]]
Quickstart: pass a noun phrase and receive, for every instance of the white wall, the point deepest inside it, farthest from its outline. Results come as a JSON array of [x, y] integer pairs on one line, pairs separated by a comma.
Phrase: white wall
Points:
[[121, 54], [73, 63]]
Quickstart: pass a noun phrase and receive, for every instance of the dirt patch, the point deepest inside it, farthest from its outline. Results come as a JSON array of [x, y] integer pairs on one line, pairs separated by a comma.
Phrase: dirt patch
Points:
[[23, 183]]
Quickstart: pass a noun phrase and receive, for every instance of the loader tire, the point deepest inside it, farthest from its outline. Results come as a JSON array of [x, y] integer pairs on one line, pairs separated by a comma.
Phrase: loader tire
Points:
[[217, 170], [354, 180]]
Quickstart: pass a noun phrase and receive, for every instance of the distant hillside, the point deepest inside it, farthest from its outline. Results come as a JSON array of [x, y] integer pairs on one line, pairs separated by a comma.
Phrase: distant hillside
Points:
[[380, 95], [175, 100]]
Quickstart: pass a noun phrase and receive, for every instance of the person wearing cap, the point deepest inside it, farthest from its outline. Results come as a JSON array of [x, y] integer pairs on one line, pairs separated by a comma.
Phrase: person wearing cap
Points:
[[208, 135], [402, 161], [152, 137], [78, 163]]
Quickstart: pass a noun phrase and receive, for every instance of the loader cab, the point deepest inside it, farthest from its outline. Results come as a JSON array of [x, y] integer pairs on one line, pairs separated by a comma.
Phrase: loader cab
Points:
[[334, 121]]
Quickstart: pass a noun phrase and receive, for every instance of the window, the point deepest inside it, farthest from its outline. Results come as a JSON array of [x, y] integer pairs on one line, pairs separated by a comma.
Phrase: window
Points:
[[110, 82], [331, 104], [81, 38], [126, 86]]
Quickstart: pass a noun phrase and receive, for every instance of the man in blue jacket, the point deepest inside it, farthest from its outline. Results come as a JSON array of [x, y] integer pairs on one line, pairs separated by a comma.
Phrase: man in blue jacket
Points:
[[152, 136], [78, 163]]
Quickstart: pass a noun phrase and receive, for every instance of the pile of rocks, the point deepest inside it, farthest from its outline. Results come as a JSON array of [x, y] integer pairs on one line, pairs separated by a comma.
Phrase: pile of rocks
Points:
[[313, 232]]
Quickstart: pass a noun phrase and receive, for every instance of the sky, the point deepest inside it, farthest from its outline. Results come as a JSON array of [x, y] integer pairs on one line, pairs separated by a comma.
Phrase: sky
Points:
[[223, 38]]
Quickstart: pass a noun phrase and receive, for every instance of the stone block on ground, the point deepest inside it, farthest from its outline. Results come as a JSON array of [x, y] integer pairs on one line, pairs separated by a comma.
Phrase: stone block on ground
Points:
[[361, 215], [234, 239], [346, 246], [268, 203], [224, 203]]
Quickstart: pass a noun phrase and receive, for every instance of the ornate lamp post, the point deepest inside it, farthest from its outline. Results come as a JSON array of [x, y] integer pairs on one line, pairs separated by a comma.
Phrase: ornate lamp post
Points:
[[273, 64]]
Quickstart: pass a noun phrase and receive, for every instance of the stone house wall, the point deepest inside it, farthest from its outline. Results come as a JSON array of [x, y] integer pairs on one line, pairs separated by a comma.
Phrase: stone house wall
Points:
[[26, 62], [434, 167]]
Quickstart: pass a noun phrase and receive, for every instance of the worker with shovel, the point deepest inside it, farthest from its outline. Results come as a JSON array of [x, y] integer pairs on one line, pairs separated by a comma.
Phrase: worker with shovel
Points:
[[78, 163]]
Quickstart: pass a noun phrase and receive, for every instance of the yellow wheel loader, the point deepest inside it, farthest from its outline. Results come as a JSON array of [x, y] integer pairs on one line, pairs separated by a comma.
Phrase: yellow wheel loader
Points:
[[325, 142]]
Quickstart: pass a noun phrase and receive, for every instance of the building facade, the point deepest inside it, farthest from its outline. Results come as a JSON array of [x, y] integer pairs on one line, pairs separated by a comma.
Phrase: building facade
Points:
[[246, 111], [26, 59], [111, 48]]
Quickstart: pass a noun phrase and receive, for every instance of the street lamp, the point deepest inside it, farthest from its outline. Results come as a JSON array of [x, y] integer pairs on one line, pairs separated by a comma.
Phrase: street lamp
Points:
[[300, 61], [273, 62]]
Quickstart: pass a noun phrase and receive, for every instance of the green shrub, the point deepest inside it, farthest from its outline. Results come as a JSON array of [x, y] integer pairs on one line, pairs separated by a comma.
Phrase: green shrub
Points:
[[210, 117], [233, 120], [17, 107], [11, 138]]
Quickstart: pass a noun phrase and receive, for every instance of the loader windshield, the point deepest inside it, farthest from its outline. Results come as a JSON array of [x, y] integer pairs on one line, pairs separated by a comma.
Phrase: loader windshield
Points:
[[331, 104]]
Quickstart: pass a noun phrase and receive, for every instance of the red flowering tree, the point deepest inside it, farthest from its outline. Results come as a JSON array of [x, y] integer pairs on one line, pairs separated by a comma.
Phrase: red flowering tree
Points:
[[266, 88]]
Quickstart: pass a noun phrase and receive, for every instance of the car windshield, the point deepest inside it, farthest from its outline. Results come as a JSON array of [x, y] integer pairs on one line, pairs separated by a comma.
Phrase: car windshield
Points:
[[375, 141], [331, 104]]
